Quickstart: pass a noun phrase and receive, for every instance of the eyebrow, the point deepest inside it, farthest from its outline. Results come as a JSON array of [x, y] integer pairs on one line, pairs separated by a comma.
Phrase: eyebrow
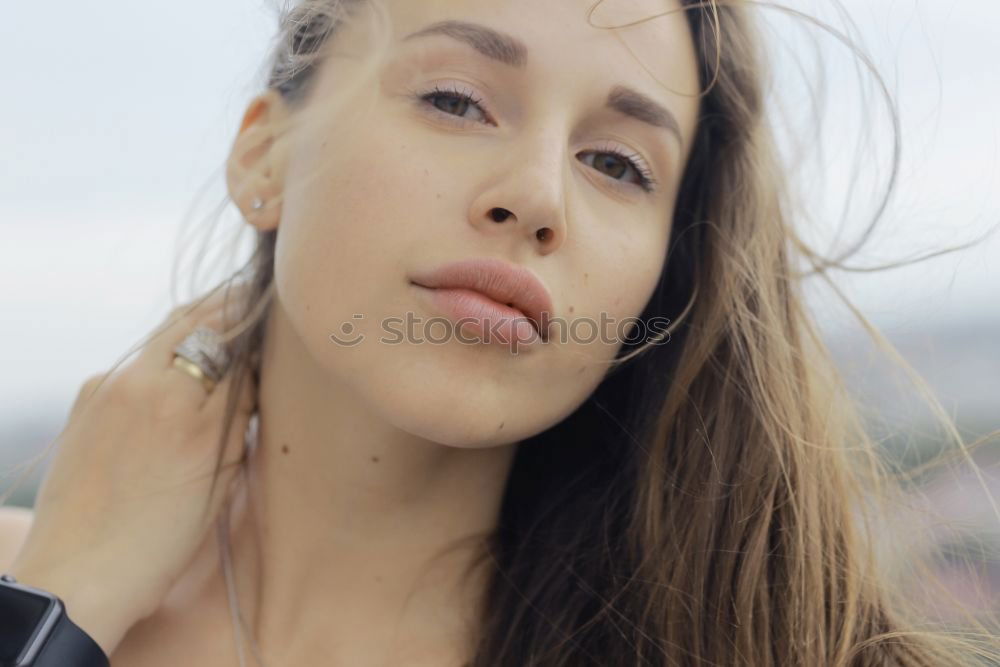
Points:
[[512, 52]]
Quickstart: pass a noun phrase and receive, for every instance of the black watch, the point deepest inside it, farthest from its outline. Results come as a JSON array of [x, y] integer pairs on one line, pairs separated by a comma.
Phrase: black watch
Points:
[[36, 632]]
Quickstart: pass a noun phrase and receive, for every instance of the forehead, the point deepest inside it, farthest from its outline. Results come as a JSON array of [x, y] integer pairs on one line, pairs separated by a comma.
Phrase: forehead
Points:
[[647, 39]]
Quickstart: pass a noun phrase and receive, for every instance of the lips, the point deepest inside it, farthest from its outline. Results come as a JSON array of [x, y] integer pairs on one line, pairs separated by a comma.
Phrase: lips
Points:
[[506, 284]]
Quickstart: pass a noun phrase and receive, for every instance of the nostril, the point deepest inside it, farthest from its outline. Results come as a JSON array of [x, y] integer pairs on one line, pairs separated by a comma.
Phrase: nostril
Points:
[[499, 214]]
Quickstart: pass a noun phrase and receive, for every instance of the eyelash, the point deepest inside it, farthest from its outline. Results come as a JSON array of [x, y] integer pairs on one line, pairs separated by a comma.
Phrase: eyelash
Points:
[[646, 180]]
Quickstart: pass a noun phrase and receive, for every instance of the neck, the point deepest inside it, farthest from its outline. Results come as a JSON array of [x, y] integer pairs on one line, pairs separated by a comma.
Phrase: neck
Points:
[[365, 530]]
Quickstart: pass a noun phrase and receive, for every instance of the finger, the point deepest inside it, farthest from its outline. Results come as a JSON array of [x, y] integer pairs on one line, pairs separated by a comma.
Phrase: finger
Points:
[[90, 385], [87, 391], [181, 389], [185, 380], [207, 310], [246, 403]]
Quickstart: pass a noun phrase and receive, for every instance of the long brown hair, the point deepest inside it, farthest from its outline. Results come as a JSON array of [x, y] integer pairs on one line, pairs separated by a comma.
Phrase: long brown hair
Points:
[[717, 500]]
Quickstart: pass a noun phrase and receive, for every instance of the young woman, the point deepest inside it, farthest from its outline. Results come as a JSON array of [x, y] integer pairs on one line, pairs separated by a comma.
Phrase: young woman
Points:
[[557, 480]]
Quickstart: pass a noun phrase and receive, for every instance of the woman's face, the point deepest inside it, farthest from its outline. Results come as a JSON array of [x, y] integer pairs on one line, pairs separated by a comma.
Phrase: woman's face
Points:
[[385, 186]]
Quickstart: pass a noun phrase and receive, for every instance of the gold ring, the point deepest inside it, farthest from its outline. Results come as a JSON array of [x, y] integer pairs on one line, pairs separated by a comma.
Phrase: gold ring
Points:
[[194, 371]]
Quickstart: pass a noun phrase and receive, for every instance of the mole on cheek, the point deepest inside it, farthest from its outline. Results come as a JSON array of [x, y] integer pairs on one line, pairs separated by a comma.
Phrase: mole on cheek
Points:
[[374, 459], [284, 448], [585, 276], [501, 425]]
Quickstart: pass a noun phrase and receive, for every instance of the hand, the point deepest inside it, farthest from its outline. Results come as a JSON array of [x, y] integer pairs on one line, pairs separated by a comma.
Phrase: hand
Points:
[[125, 503]]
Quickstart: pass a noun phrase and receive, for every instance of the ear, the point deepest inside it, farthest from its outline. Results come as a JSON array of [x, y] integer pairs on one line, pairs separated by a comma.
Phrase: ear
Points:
[[257, 162]]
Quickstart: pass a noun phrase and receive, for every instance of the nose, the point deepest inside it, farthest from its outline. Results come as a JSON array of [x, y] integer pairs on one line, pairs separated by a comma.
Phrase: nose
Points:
[[527, 198], [544, 235]]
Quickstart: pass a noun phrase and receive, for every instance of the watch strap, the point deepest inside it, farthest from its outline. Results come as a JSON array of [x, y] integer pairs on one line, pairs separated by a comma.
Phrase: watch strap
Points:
[[69, 646]]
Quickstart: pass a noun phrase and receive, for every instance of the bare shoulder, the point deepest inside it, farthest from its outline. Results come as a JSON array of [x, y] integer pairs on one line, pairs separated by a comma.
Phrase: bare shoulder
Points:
[[15, 522]]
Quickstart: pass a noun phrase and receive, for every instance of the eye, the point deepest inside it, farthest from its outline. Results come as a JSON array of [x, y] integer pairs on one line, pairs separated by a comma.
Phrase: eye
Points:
[[611, 158], [456, 103]]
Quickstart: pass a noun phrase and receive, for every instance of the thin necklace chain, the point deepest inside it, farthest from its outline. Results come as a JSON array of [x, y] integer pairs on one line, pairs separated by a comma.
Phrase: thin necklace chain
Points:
[[236, 614], [250, 441]]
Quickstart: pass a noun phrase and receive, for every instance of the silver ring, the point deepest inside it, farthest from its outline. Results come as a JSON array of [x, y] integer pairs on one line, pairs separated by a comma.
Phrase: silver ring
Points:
[[203, 348]]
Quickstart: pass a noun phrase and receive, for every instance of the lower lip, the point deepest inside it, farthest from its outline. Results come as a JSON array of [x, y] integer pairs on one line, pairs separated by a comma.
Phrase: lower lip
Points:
[[491, 321]]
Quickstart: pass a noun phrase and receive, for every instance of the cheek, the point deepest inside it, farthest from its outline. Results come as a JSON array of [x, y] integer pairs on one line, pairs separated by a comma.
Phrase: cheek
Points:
[[343, 198], [346, 233], [348, 224], [605, 294], [625, 306], [612, 287]]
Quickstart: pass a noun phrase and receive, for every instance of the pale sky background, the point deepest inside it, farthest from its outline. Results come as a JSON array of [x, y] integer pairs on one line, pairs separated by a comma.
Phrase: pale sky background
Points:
[[115, 114]]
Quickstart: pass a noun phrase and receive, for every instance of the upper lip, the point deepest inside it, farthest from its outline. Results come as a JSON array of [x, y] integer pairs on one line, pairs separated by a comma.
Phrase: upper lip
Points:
[[501, 281]]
